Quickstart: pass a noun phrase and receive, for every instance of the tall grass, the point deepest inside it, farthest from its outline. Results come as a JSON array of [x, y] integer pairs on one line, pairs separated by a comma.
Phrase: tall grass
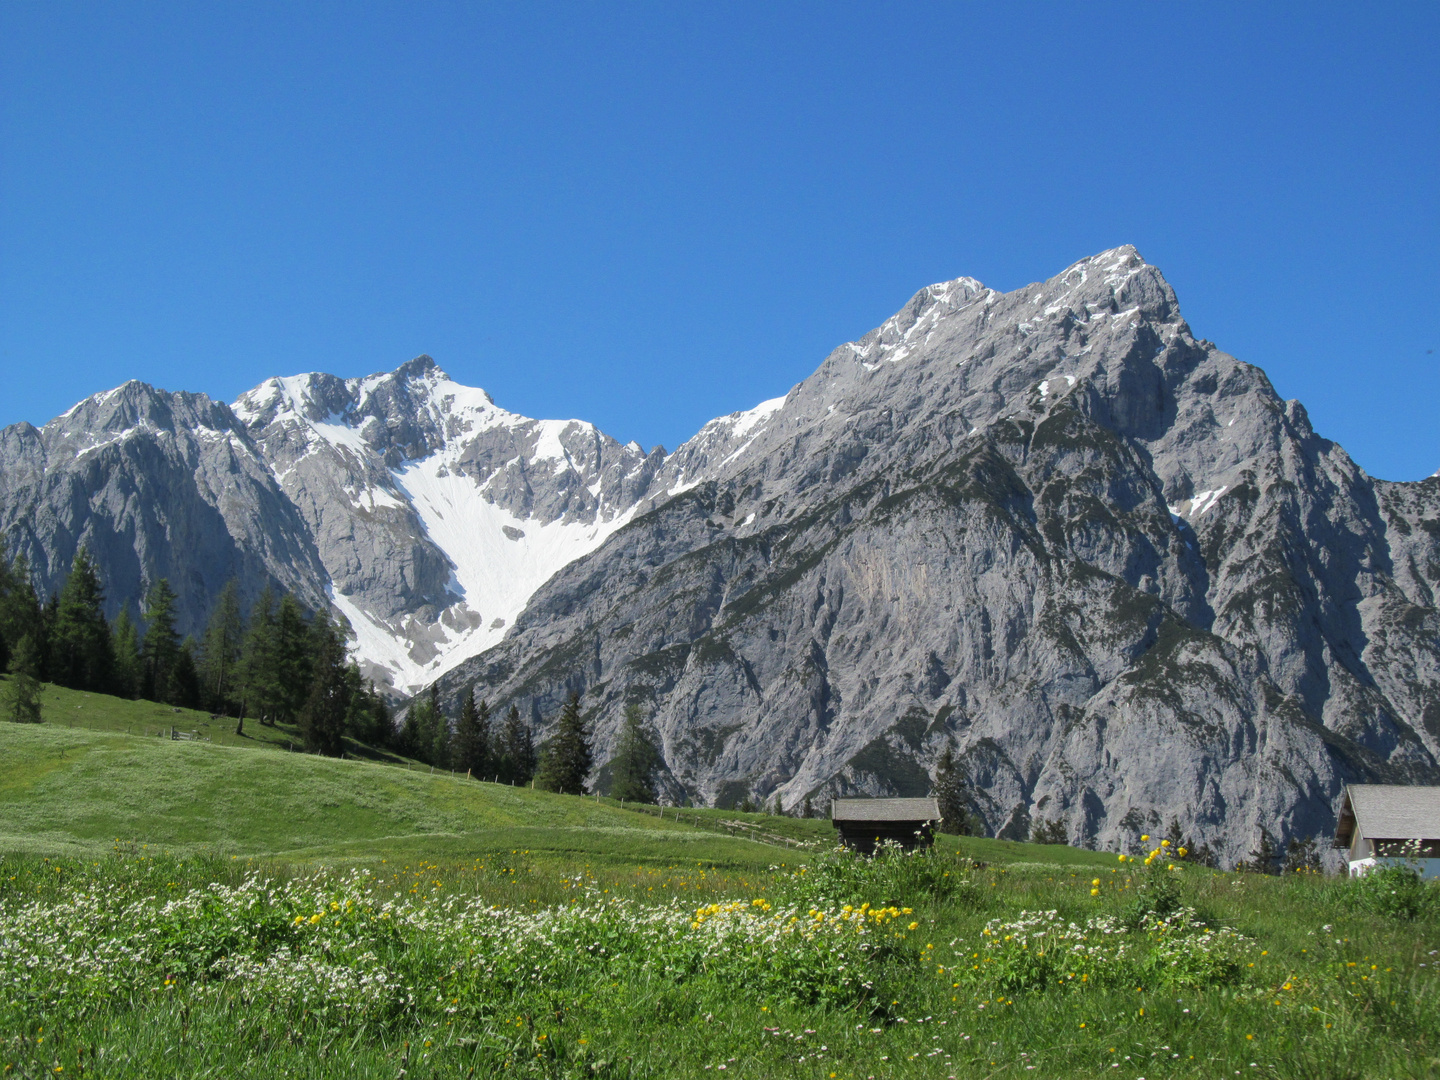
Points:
[[514, 965]]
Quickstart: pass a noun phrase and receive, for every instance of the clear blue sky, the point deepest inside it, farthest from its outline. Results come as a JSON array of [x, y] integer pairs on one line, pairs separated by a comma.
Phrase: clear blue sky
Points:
[[646, 215]]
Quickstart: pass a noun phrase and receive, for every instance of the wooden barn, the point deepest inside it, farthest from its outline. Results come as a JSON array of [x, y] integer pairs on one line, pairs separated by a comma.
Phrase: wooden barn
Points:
[[1390, 823], [863, 823]]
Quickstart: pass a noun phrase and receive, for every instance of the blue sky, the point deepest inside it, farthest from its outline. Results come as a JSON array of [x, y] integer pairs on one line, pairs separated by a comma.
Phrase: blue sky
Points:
[[646, 215]]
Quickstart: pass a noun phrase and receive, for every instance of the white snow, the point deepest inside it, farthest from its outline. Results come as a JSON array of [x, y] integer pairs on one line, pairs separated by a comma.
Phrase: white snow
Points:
[[1202, 503], [495, 575], [1045, 384]]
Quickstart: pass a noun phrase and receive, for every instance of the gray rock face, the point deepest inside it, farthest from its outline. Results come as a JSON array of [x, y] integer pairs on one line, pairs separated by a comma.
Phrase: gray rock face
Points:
[[410, 505], [1103, 556], [1099, 553], [158, 485], [435, 513]]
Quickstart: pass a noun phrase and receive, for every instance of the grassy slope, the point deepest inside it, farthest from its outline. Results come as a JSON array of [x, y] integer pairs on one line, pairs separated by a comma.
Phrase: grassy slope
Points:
[[95, 772]]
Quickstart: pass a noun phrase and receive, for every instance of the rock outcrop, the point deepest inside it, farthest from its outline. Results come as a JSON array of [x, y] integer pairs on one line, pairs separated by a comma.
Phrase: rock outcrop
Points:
[[1100, 554]]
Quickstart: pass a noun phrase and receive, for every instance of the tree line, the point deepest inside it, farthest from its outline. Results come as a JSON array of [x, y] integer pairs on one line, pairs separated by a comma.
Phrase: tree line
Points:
[[278, 663], [487, 747]]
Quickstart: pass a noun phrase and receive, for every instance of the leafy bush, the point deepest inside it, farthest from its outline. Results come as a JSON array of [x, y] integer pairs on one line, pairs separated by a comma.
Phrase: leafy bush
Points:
[[1396, 891], [891, 876]]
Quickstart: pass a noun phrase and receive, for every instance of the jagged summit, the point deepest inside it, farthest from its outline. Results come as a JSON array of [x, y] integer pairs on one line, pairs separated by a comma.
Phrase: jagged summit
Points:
[[1100, 554]]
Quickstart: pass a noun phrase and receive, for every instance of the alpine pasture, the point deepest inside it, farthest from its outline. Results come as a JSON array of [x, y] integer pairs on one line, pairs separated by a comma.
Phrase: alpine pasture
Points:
[[227, 905]]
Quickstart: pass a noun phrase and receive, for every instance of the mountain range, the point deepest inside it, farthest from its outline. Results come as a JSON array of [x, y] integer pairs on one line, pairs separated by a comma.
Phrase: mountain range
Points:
[[1098, 553]]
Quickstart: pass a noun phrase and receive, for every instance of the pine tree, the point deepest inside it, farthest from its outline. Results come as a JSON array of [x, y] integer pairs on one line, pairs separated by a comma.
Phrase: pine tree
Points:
[[566, 758], [472, 737], [807, 809], [778, 807], [260, 692], [637, 760], [951, 792], [160, 650], [322, 717], [220, 656], [20, 701], [80, 647], [129, 672]]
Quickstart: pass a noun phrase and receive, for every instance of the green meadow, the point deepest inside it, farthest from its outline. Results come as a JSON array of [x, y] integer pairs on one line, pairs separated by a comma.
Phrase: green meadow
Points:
[[227, 906]]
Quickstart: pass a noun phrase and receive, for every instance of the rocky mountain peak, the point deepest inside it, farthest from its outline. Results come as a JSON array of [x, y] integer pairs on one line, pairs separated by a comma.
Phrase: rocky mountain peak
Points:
[[1099, 554]]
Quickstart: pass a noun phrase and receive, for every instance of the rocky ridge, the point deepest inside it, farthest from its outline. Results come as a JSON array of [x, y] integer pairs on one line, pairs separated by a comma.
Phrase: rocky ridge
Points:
[[1099, 553]]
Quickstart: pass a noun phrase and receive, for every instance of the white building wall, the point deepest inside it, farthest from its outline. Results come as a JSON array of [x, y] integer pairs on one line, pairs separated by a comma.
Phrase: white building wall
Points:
[[1429, 868]]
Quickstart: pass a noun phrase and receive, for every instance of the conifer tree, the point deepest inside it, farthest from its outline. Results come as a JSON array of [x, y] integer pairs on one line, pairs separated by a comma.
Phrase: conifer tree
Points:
[[807, 809], [220, 654], [637, 760], [129, 672], [409, 739], [1302, 856], [1262, 857], [566, 757], [260, 693], [184, 687], [7, 585], [80, 645], [295, 649], [439, 732], [160, 650], [322, 717], [20, 611], [472, 736], [515, 754], [951, 792], [20, 701]]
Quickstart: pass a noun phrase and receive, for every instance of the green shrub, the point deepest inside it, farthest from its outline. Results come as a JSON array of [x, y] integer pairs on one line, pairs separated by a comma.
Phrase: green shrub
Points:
[[1395, 891], [891, 876]]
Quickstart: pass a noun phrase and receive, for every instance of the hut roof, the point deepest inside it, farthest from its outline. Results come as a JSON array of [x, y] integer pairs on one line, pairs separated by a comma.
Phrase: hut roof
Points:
[[884, 810], [1389, 812]]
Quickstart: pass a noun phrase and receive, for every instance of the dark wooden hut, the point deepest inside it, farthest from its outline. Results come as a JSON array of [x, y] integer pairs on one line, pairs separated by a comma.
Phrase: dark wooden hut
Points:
[[863, 823]]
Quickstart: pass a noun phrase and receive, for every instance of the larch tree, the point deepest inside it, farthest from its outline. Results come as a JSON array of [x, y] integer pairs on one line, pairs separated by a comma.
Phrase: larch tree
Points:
[[129, 672], [21, 613], [160, 650], [220, 652], [260, 691]]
